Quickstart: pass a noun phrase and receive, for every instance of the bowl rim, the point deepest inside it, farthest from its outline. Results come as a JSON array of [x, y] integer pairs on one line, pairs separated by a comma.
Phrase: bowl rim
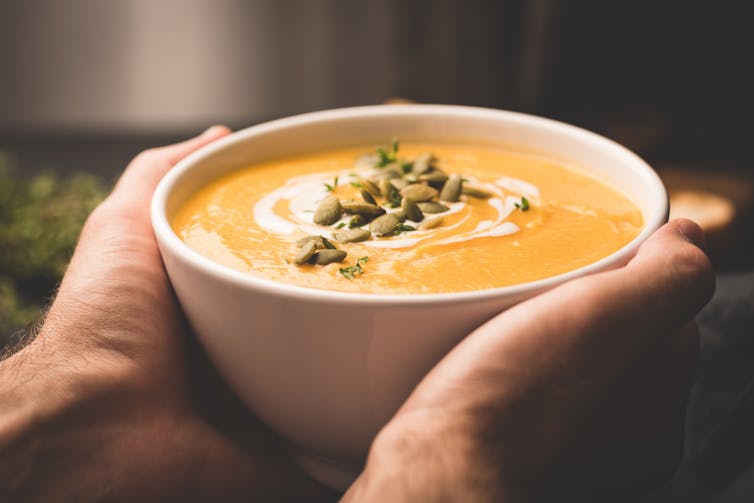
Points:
[[170, 242]]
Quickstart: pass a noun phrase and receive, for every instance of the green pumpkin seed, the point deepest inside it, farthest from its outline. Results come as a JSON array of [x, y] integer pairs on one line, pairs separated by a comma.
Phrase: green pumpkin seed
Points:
[[399, 183], [324, 257], [475, 192], [369, 198], [306, 252], [352, 235], [432, 207], [411, 210], [430, 223], [318, 241], [390, 193], [371, 187], [376, 176], [384, 225], [451, 191], [366, 210], [356, 221], [434, 177], [419, 192], [328, 212], [422, 164]]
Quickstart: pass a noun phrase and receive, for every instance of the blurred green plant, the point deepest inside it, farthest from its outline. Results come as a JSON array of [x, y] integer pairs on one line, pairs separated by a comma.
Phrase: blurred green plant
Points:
[[40, 221]]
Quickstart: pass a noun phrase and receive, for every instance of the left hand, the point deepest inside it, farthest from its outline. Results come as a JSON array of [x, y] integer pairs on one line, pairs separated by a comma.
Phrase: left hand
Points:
[[102, 406]]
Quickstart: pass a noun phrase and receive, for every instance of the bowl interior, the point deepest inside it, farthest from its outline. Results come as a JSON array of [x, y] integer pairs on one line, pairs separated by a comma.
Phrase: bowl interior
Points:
[[580, 149]]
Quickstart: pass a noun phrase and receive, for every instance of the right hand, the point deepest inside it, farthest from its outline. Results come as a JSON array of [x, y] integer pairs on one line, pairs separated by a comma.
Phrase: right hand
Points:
[[575, 395]]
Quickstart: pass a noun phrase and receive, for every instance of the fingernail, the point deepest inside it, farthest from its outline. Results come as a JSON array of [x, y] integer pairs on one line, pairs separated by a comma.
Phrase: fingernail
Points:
[[692, 232], [211, 131]]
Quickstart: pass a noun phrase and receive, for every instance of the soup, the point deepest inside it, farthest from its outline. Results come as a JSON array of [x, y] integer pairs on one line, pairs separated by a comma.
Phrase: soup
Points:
[[407, 219]]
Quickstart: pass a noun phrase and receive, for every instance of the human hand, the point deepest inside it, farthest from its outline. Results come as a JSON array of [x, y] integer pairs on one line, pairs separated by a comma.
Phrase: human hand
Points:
[[575, 395], [111, 400]]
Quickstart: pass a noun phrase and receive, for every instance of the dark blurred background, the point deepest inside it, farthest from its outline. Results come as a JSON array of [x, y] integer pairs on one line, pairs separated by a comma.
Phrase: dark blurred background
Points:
[[87, 84], [105, 78]]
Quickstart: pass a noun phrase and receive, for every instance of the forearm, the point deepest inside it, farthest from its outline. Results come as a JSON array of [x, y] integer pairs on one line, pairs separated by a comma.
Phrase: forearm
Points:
[[49, 446]]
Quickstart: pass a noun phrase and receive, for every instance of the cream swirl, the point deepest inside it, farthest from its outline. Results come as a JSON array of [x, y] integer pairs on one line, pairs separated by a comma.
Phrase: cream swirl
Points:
[[302, 194]]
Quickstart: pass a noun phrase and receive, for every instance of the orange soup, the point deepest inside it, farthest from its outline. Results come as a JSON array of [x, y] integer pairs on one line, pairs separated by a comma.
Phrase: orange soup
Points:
[[414, 218]]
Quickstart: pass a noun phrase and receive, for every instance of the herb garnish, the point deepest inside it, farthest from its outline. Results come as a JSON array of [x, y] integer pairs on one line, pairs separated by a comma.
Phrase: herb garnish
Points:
[[331, 187], [354, 270], [388, 157], [340, 225], [405, 228], [524, 205], [394, 199], [327, 243], [357, 185]]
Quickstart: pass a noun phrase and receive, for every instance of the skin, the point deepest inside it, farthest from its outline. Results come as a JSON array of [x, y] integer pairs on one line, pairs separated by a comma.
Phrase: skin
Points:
[[576, 393]]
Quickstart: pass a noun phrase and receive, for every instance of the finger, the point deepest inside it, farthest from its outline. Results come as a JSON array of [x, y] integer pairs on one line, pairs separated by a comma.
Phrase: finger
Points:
[[133, 192], [122, 220], [595, 323]]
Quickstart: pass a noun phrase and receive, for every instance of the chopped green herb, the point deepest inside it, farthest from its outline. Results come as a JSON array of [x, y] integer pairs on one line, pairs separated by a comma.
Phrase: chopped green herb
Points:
[[357, 185], [406, 167], [394, 199], [340, 225], [327, 243], [354, 270], [331, 187], [405, 228], [524, 205], [356, 221], [387, 157]]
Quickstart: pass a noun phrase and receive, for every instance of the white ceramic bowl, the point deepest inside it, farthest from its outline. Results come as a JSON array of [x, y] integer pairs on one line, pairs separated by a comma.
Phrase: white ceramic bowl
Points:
[[326, 370]]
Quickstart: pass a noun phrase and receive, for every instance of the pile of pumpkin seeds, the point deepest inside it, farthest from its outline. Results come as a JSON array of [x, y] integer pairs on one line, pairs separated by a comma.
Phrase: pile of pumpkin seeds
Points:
[[394, 190]]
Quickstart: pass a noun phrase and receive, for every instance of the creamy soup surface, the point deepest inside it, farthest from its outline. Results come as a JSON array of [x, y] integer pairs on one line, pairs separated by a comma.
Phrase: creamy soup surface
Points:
[[536, 218]]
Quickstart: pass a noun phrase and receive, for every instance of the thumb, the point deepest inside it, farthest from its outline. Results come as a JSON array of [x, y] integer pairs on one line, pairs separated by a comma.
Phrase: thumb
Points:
[[133, 192]]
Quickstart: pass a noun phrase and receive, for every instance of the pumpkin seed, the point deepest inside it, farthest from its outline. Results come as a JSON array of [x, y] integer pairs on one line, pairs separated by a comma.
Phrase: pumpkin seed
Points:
[[401, 215], [386, 188], [324, 257], [399, 183], [364, 209], [384, 225], [451, 191], [352, 235], [419, 192], [318, 241], [368, 197], [306, 252], [411, 210], [328, 212], [356, 221], [475, 192], [390, 193], [376, 176], [434, 177], [371, 187], [430, 223], [432, 207], [422, 164]]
